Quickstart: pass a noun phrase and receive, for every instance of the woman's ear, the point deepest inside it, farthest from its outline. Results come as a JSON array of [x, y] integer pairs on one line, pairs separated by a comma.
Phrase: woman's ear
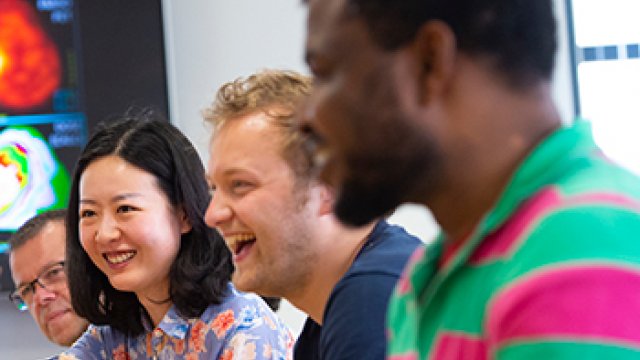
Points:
[[185, 224]]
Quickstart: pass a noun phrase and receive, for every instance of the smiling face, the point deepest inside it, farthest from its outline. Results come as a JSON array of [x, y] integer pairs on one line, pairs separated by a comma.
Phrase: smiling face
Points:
[[128, 227], [51, 307], [264, 215], [364, 108]]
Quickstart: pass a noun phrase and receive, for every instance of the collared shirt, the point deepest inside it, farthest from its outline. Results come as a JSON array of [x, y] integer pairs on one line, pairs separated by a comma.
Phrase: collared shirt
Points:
[[552, 271], [241, 327]]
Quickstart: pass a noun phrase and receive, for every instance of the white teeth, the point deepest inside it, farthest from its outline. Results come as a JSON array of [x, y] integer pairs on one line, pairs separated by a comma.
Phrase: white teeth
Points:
[[120, 258], [233, 240]]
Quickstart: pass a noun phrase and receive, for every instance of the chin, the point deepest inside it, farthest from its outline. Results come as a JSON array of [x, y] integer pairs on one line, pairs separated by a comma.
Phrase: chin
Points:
[[241, 284], [122, 285], [374, 187], [60, 337], [63, 342]]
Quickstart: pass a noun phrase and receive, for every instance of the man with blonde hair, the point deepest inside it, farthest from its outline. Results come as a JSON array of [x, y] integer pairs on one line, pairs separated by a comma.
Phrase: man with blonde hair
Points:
[[278, 222]]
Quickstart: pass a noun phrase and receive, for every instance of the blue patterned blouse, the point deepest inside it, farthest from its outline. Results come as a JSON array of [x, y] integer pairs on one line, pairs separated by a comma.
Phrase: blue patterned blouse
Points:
[[241, 327]]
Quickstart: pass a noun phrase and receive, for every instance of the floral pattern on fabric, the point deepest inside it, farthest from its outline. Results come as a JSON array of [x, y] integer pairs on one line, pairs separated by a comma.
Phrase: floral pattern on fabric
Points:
[[241, 327]]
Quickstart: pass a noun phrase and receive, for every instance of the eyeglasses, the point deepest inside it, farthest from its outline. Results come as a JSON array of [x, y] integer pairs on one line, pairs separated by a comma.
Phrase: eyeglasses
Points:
[[51, 276]]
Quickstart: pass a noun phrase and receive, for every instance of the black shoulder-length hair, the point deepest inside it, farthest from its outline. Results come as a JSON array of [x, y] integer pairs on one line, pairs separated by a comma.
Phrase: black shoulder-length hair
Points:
[[202, 269]]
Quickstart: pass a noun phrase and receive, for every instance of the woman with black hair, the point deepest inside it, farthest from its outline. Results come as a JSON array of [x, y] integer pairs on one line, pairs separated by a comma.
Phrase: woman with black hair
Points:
[[142, 265]]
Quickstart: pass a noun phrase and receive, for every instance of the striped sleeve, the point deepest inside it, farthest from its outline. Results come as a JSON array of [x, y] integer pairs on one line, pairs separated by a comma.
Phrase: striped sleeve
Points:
[[577, 289], [567, 311]]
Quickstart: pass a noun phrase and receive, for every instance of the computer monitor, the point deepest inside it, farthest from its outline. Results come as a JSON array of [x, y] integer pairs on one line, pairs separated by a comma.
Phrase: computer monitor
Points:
[[64, 67], [42, 126]]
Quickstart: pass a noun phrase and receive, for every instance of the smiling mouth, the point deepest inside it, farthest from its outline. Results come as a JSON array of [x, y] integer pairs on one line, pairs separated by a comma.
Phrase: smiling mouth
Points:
[[115, 258], [237, 243]]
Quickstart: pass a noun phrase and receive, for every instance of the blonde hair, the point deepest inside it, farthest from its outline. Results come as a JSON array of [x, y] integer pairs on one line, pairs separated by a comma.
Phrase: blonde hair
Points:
[[277, 93]]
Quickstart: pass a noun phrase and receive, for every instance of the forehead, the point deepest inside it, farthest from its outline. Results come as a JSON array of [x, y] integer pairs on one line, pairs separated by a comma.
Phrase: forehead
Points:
[[338, 35], [323, 19], [250, 142], [46, 247], [112, 174]]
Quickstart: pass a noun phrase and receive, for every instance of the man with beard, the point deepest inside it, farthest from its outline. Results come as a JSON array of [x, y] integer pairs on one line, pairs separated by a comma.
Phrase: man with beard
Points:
[[36, 258], [277, 221], [448, 103]]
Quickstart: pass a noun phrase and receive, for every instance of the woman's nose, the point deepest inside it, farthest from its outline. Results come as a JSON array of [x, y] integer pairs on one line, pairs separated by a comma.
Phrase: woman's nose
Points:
[[107, 230]]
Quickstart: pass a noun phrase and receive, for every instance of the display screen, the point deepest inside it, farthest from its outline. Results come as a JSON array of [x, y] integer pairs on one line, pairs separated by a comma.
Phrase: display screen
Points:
[[42, 123], [64, 67]]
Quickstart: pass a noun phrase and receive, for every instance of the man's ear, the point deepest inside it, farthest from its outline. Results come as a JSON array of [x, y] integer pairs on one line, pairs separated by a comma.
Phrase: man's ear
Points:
[[185, 224], [327, 198], [435, 50]]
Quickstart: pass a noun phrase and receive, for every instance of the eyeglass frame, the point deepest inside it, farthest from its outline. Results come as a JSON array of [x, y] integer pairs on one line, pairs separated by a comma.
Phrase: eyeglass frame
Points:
[[16, 297]]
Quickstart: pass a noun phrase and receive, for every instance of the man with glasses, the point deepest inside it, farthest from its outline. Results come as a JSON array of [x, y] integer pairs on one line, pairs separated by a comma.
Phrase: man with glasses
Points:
[[36, 259]]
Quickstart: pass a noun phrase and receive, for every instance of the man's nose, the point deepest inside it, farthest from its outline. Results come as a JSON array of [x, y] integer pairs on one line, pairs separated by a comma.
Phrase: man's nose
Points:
[[218, 212], [42, 294]]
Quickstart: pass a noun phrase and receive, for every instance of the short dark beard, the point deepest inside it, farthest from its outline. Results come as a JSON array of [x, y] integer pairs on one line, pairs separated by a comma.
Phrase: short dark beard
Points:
[[375, 188]]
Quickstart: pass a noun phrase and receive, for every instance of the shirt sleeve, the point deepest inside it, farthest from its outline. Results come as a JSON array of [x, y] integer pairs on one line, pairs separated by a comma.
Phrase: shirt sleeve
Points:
[[89, 346], [582, 303], [579, 310], [354, 323], [256, 333]]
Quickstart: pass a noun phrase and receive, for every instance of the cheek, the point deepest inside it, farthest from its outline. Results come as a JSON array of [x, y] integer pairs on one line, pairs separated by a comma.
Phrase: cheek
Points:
[[34, 310], [86, 234]]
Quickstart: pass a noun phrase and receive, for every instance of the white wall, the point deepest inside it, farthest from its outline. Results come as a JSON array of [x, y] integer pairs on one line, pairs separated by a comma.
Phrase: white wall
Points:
[[210, 42]]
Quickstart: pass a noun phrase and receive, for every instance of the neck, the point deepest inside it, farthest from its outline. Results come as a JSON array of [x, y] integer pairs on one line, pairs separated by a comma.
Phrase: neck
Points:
[[339, 246], [156, 303], [156, 311], [483, 161]]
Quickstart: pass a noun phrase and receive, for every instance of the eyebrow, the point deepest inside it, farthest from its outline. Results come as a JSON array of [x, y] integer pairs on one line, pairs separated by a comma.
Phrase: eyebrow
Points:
[[116, 198], [228, 172], [40, 272]]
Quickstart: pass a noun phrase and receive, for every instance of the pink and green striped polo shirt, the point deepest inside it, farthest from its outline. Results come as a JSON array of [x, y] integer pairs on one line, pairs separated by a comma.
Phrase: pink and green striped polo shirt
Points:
[[551, 272]]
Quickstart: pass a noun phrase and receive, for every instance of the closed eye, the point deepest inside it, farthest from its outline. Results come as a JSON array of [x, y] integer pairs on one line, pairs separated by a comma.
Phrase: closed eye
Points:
[[54, 273], [240, 186], [239, 183], [87, 213], [126, 208]]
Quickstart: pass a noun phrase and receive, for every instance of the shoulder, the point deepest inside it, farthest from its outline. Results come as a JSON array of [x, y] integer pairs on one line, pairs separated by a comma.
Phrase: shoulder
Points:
[[354, 318], [245, 324], [571, 258], [565, 223], [364, 291], [583, 226], [385, 253], [96, 342], [393, 235]]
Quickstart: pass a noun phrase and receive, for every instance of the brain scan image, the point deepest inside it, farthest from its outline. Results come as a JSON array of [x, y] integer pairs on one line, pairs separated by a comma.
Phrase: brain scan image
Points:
[[32, 179], [30, 66]]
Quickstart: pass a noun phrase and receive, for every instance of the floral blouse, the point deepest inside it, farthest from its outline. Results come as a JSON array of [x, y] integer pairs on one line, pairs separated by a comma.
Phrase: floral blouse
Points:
[[241, 327]]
